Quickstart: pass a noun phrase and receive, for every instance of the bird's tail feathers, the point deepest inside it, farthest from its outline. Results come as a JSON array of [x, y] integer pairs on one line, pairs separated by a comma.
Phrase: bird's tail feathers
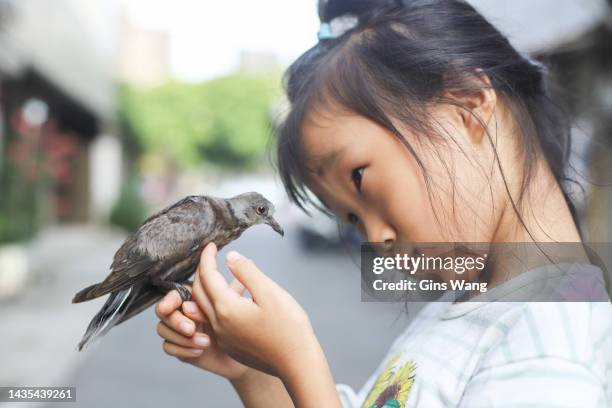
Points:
[[86, 294], [111, 313]]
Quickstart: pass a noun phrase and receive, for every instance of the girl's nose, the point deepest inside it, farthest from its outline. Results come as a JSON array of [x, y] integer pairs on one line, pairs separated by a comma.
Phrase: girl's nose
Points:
[[380, 232]]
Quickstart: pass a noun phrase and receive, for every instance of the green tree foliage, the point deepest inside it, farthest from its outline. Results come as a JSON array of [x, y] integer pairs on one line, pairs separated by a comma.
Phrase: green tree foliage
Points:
[[25, 201], [18, 206], [130, 210], [225, 121]]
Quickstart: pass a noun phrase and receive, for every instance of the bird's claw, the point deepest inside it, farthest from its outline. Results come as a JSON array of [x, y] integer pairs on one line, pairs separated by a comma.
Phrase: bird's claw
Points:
[[183, 292]]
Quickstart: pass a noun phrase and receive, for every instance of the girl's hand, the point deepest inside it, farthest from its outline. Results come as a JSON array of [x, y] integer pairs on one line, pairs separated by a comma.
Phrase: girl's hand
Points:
[[263, 332], [269, 332], [187, 336]]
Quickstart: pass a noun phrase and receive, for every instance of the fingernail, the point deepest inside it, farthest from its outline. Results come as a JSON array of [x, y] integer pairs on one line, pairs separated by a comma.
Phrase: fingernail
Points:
[[201, 340], [233, 256], [190, 307], [186, 327], [196, 352]]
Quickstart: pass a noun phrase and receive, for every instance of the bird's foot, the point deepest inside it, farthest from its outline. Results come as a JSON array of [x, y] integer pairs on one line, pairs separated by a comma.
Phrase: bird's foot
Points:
[[165, 287], [183, 292]]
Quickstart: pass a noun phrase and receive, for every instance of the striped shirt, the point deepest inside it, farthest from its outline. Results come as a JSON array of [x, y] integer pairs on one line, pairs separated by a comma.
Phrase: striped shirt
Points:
[[497, 354]]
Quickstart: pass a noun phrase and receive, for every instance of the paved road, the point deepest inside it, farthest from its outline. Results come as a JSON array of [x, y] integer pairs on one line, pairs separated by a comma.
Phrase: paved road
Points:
[[128, 367]]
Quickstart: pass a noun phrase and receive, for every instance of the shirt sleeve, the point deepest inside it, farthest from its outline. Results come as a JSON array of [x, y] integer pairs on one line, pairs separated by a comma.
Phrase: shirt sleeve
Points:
[[535, 382], [347, 396]]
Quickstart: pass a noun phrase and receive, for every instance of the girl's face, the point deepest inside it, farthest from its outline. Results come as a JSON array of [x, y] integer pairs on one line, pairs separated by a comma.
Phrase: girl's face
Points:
[[367, 177]]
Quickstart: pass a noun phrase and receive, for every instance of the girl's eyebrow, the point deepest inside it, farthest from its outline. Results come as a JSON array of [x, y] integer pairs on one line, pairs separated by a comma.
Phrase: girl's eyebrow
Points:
[[324, 161]]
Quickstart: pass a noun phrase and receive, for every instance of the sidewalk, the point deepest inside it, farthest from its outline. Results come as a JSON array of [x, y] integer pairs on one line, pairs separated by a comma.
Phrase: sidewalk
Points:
[[41, 327]]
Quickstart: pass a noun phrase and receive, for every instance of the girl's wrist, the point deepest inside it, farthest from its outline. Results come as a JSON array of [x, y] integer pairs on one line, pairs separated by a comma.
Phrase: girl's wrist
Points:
[[258, 389], [242, 377], [308, 379]]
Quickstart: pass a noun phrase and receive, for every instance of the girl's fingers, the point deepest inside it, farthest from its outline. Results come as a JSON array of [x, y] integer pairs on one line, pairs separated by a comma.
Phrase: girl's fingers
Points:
[[169, 303], [237, 286], [212, 281], [248, 274], [199, 340], [192, 311], [179, 323], [181, 352], [201, 298]]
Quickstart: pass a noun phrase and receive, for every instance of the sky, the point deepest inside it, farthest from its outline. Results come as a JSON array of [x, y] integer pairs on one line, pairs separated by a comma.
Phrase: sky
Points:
[[207, 36]]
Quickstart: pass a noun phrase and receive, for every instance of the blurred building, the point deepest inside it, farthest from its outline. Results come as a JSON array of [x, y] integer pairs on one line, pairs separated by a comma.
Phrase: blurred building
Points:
[[143, 55], [583, 66], [258, 62], [57, 95], [575, 39]]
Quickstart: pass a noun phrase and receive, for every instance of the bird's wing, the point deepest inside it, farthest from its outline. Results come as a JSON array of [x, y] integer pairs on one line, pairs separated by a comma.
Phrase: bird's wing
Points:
[[129, 266], [163, 239], [174, 231]]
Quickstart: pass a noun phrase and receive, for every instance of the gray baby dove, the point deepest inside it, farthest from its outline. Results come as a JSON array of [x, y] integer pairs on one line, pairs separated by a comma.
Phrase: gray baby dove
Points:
[[164, 253]]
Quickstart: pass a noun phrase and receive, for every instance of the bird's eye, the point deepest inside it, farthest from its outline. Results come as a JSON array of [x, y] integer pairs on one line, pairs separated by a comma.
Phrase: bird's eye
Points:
[[262, 209], [356, 176], [352, 218]]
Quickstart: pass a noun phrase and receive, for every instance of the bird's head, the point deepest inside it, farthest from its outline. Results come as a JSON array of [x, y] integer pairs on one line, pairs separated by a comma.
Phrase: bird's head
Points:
[[252, 208]]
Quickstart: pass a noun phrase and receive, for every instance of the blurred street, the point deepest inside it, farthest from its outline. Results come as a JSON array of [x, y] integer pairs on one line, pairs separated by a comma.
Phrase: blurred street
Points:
[[128, 366]]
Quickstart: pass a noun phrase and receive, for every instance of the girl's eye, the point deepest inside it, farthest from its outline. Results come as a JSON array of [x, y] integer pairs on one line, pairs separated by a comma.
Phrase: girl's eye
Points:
[[352, 218], [357, 175]]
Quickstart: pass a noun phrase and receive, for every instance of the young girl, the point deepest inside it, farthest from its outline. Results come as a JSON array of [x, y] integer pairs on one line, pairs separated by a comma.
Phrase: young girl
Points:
[[415, 121]]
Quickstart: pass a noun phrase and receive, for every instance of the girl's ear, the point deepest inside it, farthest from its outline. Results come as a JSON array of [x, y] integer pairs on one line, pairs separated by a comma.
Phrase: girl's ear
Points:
[[475, 106]]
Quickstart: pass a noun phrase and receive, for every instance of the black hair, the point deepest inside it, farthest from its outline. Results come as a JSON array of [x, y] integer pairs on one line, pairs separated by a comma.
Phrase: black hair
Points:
[[399, 59]]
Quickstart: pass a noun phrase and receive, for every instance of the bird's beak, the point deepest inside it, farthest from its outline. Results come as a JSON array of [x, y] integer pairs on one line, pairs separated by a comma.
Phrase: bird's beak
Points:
[[275, 226]]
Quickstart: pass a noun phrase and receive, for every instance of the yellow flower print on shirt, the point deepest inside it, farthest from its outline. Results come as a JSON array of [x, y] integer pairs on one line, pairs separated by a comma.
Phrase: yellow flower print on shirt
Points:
[[392, 386]]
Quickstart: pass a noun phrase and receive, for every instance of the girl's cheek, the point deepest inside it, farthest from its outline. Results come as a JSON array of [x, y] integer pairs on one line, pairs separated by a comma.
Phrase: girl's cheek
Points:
[[398, 206], [379, 201]]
